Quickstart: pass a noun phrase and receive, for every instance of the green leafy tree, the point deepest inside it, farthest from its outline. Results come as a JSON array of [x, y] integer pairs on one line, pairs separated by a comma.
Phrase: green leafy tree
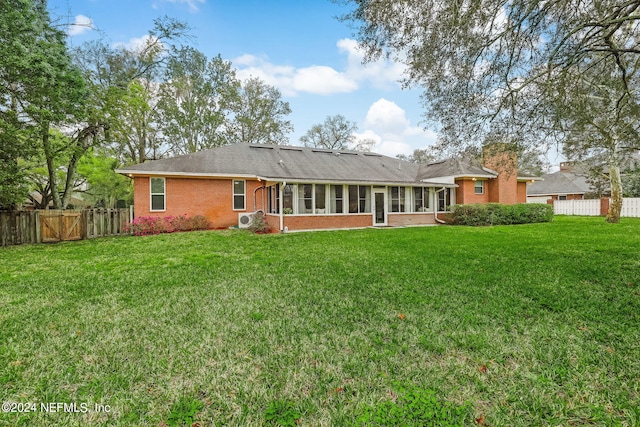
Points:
[[105, 187], [195, 100], [40, 88], [136, 131], [335, 133], [494, 67], [259, 115], [631, 183]]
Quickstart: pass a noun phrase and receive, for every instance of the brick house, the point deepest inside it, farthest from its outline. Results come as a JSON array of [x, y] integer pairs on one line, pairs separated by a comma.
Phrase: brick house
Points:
[[564, 184], [302, 188]]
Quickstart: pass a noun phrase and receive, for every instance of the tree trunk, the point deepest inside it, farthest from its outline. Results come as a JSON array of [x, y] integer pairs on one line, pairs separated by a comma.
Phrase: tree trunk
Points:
[[51, 168], [613, 216]]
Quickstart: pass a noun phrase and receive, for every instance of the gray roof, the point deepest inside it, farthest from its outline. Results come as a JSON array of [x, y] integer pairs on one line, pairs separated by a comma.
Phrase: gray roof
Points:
[[559, 183], [290, 163], [273, 162], [455, 167]]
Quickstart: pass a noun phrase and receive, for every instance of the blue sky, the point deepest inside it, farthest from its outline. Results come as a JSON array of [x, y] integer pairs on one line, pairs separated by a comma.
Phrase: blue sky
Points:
[[296, 45]]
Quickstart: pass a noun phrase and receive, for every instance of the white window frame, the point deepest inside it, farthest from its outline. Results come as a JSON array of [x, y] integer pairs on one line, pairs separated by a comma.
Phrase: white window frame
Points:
[[334, 200], [163, 194], [234, 194], [475, 186], [426, 200]]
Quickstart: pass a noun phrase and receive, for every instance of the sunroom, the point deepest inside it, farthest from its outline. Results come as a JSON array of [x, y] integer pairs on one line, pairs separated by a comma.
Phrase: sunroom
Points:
[[311, 205]]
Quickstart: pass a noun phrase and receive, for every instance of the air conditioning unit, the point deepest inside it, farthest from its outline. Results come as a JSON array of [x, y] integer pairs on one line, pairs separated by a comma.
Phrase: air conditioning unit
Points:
[[244, 219]]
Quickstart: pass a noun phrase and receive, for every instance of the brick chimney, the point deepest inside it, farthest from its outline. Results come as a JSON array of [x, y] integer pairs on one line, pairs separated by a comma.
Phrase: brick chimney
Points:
[[566, 167], [502, 158]]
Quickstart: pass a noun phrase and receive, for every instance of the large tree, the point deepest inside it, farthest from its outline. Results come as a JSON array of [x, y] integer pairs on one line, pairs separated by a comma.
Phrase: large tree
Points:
[[336, 133], [195, 101], [40, 88], [493, 67], [259, 115]]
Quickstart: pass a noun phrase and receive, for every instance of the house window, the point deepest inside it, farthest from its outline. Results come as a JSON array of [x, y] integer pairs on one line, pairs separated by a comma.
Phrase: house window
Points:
[[305, 198], [479, 187], [359, 199], [287, 199], [397, 199], [353, 199], [421, 199], [320, 202], [336, 194], [239, 191], [158, 194], [444, 199], [562, 197], [273, 199], [365, 199]]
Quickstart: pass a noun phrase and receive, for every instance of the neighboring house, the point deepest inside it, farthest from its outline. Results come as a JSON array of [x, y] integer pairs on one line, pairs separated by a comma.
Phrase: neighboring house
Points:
[[302, 188], [561, 185], [570, 182]]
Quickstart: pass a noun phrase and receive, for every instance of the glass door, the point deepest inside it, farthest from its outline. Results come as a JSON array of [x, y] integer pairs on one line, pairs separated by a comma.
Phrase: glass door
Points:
[[380, 208]]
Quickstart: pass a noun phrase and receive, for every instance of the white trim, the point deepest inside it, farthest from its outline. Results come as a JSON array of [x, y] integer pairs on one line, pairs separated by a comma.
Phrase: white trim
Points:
[[172, 174], [481, 181], [164, 195], [233, 195], [385, 211]]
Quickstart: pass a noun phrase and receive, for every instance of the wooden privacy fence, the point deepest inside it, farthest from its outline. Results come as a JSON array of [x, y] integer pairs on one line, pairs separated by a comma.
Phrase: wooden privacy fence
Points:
[[48, 226]]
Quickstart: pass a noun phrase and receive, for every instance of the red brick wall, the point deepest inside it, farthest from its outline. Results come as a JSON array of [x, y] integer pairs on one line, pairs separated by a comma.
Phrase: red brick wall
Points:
[[503, 189], [465, 193], [304, 222], [522, 192], [399, 219], [212, 198]]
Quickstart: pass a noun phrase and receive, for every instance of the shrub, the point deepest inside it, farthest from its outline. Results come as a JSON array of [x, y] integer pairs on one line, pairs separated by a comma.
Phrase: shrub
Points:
[[258, 223], [146, 225], [497, 214]]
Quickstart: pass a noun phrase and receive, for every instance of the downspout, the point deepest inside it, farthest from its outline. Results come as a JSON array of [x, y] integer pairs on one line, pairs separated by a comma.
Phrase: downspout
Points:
[[255, 198], [435, 206]]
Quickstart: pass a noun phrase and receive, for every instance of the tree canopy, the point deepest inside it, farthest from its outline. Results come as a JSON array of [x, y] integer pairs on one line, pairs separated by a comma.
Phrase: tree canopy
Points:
[[530, 72], [335, 133]]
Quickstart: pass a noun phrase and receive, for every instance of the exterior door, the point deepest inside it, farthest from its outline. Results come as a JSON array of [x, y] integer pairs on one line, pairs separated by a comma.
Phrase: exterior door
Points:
[[379, 207]]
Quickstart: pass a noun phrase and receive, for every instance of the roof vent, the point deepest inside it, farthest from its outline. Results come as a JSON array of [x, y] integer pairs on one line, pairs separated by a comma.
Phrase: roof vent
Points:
[[281, 162], [337, 153]]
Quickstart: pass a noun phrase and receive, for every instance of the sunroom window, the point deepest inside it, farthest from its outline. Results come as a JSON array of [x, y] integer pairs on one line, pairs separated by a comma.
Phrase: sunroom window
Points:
[[421, 199], [397, 199], [336, 197]]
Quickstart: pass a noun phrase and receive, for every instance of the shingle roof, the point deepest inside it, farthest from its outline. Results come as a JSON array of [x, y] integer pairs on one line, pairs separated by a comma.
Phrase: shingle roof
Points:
[[284, 163], [559, 183], [289, 163], [455, 167]]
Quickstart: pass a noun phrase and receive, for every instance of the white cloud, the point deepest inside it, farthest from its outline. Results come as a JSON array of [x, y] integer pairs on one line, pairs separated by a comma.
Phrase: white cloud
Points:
[[387, 117], [81, 24], [320, 79], [380, 73], [388, 125]]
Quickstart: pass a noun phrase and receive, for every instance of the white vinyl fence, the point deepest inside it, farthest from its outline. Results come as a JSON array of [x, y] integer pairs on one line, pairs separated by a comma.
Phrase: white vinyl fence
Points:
[[630, 207]]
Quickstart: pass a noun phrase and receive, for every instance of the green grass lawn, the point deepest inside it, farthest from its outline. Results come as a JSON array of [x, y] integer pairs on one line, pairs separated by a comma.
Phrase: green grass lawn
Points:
[[516, 325]]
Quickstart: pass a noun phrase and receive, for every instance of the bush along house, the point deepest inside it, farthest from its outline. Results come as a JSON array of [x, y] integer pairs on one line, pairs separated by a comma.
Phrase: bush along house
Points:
[[301, 188]]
